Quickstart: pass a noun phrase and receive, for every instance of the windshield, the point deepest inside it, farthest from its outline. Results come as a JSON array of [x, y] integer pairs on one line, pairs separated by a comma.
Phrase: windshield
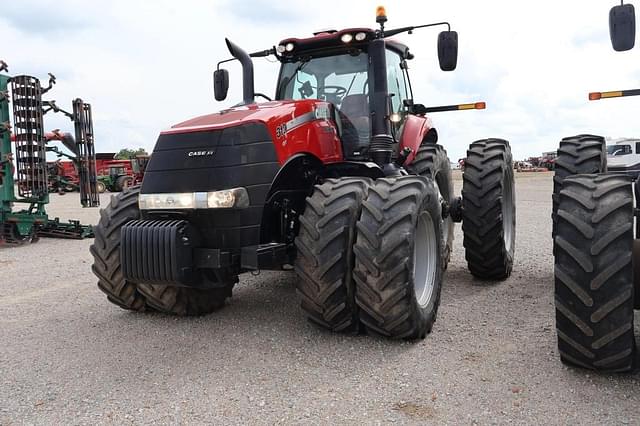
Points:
[[616, 150], [329, 78]]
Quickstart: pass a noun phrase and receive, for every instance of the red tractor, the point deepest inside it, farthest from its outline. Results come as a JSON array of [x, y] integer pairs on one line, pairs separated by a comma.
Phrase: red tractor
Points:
[[340, 175]]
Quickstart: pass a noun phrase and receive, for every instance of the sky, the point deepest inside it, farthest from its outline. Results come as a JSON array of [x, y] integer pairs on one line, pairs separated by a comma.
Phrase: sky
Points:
[[145, 66]]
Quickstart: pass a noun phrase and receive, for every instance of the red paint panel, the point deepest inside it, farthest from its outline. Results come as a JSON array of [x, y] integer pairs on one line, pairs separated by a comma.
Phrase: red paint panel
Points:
[[414, 130], [318, 136]]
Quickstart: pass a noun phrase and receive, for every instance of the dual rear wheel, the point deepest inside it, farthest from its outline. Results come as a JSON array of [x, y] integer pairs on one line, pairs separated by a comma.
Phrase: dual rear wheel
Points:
[[373, 253], [594, 258]]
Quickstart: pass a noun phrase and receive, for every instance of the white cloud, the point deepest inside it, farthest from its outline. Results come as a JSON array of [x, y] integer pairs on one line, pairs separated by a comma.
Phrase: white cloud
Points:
[[146, 65]]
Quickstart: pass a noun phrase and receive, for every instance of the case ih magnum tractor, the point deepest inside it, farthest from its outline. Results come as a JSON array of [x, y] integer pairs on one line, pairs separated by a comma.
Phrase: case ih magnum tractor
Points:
[[340, 175], [597, 273]]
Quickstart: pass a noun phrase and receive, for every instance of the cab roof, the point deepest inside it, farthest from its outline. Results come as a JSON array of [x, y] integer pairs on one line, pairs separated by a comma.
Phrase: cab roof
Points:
[[332, 39]]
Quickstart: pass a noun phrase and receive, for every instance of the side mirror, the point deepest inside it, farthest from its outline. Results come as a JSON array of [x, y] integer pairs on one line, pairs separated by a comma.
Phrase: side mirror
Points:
[[622, 27], [448, 50], [220, 84]]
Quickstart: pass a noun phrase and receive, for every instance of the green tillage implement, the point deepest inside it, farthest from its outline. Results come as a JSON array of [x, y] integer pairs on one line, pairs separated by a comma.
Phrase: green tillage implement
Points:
[[30, 222]]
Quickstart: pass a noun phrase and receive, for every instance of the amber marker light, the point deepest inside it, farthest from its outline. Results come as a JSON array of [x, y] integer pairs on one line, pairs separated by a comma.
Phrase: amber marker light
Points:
[[381, 15], [594, 96]]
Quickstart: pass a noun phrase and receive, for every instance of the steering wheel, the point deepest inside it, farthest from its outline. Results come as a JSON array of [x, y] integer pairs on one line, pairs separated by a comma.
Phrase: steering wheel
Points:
[[337, 91]]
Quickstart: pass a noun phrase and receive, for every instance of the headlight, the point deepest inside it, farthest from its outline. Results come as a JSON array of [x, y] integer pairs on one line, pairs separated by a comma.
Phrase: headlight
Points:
[[231, 198], [361, 36], [237, 198], [346, 38], [289, 47], [281, 48]]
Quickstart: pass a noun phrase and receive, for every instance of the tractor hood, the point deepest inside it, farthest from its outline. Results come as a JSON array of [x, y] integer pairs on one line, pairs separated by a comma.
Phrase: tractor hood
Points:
[[240, 147], [278, 116]]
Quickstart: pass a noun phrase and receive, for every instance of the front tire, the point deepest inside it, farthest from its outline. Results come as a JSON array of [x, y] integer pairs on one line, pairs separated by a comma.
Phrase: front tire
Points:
[[105, 249], [593, 272], [123, 208], [184, 301], [324, 261], [489, 209], [399, 257]]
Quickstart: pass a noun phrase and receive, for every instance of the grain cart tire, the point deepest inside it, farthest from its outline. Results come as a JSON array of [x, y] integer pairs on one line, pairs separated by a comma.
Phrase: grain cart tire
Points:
[[184, 301], [594, 273], [489, 209], [105, 249], [399, 257], [582, 154], [432, 160], [325, 259]]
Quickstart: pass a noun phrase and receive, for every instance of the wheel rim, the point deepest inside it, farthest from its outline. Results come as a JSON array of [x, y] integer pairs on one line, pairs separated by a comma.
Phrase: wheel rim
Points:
[[507, 212], [425, 259]]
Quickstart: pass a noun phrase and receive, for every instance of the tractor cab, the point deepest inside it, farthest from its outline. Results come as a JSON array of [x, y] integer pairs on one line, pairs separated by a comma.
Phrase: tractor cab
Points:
[[338, 67], [116, 171], [362, 74]]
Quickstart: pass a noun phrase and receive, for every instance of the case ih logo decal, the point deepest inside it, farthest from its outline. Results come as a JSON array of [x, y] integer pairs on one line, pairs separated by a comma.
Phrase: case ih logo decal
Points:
[[200, 153]]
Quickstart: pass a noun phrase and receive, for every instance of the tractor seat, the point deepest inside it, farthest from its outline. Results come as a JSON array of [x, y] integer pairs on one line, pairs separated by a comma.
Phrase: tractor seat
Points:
[[356, 109]]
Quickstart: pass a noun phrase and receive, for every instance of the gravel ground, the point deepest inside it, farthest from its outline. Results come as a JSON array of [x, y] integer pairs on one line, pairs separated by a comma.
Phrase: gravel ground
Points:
[[67, 356]]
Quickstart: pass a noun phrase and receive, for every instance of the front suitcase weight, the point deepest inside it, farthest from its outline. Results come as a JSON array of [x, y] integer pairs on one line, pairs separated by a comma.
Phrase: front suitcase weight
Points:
[[159, 252]]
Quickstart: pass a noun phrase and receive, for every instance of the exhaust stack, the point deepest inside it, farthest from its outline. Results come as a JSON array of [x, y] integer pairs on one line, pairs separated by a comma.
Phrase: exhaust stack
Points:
[[248, 93]]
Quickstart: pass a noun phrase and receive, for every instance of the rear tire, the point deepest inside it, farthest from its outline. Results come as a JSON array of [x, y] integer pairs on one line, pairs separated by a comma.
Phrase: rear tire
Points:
[[183, 301], [489, 209], [105, 249], [324, 262], [582, 154], [123, 182], [399, 257], [593, 272], [431, 160]]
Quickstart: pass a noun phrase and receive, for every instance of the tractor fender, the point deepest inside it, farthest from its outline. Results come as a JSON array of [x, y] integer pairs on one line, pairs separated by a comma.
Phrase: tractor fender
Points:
[[416, 130], [289, 189]]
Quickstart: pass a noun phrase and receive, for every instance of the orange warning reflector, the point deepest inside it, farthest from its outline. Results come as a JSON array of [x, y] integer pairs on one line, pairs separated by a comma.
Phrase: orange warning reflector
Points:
[[477, 105], [606, 95], [616, 94], [594, 96]]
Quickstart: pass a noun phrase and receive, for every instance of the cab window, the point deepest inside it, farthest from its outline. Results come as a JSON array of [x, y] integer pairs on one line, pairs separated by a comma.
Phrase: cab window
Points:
[[396, 82], [617, 150]]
